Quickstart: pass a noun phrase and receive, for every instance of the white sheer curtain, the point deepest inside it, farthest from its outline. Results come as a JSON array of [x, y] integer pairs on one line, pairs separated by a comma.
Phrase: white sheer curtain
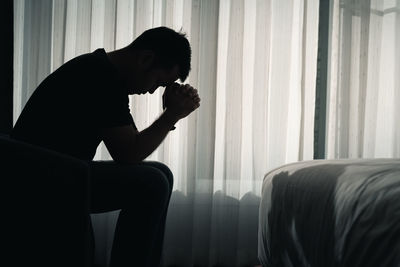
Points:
[[254, 63], [364, 79]]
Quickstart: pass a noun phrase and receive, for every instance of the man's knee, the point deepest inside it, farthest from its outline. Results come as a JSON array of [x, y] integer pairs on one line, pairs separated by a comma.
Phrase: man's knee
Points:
[[158, 183], [165, 169]]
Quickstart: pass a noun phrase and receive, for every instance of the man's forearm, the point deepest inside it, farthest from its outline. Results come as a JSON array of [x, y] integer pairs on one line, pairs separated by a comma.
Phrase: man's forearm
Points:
[[150, 138]]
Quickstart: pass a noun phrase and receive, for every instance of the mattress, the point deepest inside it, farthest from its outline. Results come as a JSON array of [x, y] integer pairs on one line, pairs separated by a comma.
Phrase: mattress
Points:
[[331, 213]]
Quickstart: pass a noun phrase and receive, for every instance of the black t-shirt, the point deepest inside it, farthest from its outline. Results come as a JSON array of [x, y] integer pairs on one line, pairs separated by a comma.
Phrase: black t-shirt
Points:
[[69, 108]]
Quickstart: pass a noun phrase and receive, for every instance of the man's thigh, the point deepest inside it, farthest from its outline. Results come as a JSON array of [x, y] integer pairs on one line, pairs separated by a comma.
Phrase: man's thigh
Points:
[[162, 167], [116, 186]]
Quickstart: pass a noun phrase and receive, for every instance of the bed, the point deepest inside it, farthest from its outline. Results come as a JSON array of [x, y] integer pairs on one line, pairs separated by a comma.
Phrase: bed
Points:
[[331, 213]]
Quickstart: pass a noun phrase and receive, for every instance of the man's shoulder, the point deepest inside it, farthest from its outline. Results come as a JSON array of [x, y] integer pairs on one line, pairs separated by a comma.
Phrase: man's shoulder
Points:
[[95, 59], [85, 69]]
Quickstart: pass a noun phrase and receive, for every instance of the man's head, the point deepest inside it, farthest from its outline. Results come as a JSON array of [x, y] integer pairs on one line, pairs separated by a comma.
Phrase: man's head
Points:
[[170, 48], [163, 56]]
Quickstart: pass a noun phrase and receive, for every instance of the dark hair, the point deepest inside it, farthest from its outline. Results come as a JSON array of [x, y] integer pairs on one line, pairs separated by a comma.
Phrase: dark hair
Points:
[[170, 47]]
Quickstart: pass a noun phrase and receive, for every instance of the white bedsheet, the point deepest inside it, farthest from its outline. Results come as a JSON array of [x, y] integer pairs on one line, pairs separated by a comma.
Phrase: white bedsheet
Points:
[[331, 213]]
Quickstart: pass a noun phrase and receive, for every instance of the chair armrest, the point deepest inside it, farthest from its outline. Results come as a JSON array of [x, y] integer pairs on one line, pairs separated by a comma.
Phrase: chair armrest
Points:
[[45, 205]]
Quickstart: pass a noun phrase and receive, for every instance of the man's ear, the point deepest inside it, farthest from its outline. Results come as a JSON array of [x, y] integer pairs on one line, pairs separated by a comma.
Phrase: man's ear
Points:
[[146, 59]]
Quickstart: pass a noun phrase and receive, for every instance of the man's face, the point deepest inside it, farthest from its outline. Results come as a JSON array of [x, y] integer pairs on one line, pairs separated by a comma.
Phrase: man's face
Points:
[[154, 78]]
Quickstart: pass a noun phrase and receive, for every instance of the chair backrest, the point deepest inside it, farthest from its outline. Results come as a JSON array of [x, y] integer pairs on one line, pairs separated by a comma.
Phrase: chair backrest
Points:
[[45, 206]]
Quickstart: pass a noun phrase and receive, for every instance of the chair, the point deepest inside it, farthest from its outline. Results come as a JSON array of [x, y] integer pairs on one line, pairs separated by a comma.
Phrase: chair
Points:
[[44, 204]]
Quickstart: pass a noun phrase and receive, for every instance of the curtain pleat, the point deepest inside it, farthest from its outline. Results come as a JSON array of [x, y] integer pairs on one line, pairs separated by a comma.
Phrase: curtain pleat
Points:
[[363, 82]]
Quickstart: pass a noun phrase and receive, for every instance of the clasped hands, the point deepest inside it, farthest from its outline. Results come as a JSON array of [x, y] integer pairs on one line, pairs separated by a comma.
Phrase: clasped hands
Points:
[[180, 99]]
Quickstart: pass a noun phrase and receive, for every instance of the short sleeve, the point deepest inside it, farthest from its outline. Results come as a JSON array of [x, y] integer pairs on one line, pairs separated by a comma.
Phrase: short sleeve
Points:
[[115, 112], [112, 106], [110, 99]]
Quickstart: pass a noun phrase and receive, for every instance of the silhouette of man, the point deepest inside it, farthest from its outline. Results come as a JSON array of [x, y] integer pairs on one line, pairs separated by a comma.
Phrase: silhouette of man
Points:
[[85, 101]]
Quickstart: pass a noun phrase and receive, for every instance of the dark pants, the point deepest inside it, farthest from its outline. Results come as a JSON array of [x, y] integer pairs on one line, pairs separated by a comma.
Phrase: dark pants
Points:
[[142, 191]]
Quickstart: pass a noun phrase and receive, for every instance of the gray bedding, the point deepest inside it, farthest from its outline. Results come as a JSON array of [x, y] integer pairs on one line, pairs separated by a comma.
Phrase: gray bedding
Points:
[[331, 213]]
